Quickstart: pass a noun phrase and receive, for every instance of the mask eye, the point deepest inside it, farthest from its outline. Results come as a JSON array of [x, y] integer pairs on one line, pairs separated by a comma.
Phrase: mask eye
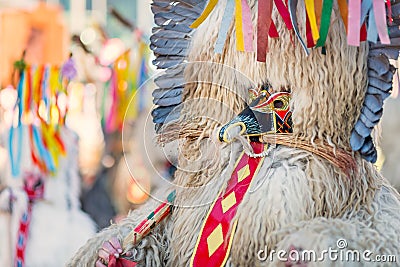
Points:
[[281, 103], [278, 104]]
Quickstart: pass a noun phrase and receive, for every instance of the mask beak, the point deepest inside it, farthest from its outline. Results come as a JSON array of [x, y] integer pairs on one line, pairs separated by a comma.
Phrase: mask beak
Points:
[[245, 123], [230, 130]]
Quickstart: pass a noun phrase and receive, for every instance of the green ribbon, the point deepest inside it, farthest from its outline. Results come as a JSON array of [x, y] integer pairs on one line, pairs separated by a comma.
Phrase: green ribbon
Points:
[[103, 104], [325, 22]]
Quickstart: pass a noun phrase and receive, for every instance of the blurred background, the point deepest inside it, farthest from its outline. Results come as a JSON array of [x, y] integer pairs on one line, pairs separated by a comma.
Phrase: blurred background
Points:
[[73, 83]]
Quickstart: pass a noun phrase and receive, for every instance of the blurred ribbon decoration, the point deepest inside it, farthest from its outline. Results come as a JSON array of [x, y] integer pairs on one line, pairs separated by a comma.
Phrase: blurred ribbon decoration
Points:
[[129, 72], [37, 109]]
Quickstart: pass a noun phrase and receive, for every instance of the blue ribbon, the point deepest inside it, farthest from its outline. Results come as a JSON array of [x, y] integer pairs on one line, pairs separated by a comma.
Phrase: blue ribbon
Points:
[[42, 150], [142, 80], [372, 34], [15, 163], [366, 6], [225, 23], [20, 101], [293, 17], [45, 85]]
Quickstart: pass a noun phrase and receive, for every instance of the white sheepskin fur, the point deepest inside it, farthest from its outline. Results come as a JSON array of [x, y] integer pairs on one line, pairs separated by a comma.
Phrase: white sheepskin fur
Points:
[[279, 212]]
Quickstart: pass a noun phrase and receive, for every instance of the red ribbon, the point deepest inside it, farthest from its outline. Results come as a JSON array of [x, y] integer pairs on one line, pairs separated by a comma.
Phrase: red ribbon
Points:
[[263, 25], [310, 39], [273, 32], [216, 235], [363, 33], [35, 158], [284, 12], [389, 7], [60, 142], [28, 93], [120, 262]]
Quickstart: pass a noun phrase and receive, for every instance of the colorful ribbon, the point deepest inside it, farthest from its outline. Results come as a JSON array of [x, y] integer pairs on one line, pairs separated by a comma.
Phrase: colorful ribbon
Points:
[[284, 12], [38, 109], [310, 38], [263, 25], [292, 11], [380, 20], [389, 7], [216, 235], [310, 9], [318, 11], [273, 32], [344, 12], [111, 120], [239, 26], [28, 90], [15, 162], [325, 22], [120, 99], [43, 151], [225, 23], [35, 158], [372, 30], [247, 27], [353, 32], [318, 21], [366, 6], [210, 6]]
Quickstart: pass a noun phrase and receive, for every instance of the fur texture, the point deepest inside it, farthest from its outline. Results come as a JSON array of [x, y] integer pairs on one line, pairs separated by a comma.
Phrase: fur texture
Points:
[[300, 199]]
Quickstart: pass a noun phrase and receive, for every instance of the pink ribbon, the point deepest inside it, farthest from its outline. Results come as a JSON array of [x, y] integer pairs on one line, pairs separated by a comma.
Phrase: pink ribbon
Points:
[[353, 33], [247, 27], [380, 20], [110, 123]]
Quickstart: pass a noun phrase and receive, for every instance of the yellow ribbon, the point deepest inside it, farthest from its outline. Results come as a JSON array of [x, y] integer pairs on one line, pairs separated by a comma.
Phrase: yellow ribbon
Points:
[[210, 6], [36, 86], [239, 26], [47, 135], [25, 93], [313, 21], [54, 83]]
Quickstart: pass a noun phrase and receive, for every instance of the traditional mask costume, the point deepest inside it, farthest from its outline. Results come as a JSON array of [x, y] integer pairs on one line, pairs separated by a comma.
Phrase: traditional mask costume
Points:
[[297, 173]]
